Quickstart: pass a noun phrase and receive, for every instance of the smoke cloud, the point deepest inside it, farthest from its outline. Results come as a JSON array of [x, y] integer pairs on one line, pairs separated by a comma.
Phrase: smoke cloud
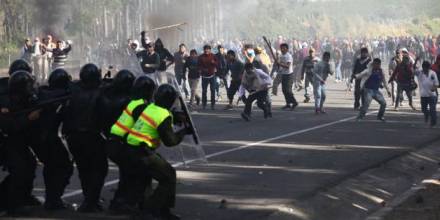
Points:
[[51, 15]]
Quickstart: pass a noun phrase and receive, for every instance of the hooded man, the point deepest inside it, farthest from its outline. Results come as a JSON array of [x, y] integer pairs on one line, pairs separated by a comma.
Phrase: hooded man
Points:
[[166, 59]]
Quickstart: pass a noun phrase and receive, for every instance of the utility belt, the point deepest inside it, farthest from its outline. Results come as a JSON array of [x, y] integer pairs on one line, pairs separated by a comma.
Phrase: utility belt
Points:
[[143, 149]]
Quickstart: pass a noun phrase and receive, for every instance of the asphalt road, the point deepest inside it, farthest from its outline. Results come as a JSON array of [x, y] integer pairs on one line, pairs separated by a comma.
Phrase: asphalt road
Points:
[[264, 166]]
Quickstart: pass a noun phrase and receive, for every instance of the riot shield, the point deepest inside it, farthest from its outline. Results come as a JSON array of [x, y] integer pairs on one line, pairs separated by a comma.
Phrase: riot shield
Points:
[[190, 150]]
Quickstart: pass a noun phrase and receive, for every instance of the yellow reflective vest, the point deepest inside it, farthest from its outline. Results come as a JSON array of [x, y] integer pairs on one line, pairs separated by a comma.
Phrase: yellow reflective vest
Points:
[[145, 128], [125, 122]]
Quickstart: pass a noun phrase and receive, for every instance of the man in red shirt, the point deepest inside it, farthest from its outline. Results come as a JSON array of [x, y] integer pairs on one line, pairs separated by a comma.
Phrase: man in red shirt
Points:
[[208, 66]]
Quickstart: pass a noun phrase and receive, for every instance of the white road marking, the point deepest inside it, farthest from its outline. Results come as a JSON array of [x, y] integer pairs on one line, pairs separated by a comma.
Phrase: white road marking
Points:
[[112, 182]]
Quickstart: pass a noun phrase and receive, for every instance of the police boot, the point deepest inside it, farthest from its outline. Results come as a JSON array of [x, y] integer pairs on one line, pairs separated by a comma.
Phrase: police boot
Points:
[[166, 214]]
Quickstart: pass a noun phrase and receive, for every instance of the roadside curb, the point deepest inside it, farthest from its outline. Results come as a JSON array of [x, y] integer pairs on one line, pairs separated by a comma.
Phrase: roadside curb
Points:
[[381, 214]]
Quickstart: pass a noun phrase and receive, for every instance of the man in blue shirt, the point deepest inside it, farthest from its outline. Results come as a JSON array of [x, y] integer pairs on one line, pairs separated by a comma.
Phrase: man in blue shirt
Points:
[[371, 80]]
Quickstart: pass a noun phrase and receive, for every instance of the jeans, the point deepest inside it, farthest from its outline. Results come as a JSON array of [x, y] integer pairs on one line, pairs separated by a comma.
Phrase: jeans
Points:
[[369, 95], [276, 82], [338, 71], [320, 95], [193, 84], [307, 83], [430, 113], [212, 84], [286, 85], [403, 87], [233, 88], [181, 80], [358, 97], [263, 102]]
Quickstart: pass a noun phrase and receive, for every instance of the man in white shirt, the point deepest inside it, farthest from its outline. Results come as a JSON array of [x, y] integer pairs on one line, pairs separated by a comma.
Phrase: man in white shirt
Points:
[[428, 84], [284, 64], [257, 83]]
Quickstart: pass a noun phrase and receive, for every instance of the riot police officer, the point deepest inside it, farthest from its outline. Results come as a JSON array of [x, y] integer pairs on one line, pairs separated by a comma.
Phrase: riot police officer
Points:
[[83, 136], [58, 167], [19, 125], [124, 201], [17, 65], [155, 125]]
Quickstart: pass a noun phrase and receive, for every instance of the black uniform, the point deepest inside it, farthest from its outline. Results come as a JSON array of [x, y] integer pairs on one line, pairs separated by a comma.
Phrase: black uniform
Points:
[[58, 167], [84, 138], [20, 130]]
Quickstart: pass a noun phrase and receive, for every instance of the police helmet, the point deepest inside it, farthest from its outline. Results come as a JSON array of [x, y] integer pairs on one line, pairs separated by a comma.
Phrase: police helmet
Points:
[[123, 80], [21, 83], [90, 75], [143, 88], [59, 79], [165, 96], [18, 65]]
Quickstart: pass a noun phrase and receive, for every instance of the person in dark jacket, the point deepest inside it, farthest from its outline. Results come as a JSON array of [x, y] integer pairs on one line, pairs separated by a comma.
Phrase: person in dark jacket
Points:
[[166, 59], [191, 66], [236, 67], [83, 136], [360, 65], [221, 73], [149, 59]]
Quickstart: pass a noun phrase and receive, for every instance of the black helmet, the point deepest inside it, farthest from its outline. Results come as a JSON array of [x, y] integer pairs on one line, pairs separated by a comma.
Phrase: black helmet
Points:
[[123, 81], [90, 75], [143, 88], [19, 64], [21, 85], [165, 96], [59, 79]]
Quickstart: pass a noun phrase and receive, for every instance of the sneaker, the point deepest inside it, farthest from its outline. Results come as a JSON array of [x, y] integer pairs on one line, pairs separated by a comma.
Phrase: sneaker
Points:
[[286, 107], [317, 111], [197, 100], [382, 119], [294, 105], [90, 208], [306, 100], [323, 111], [245, 116], [228, 107]]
